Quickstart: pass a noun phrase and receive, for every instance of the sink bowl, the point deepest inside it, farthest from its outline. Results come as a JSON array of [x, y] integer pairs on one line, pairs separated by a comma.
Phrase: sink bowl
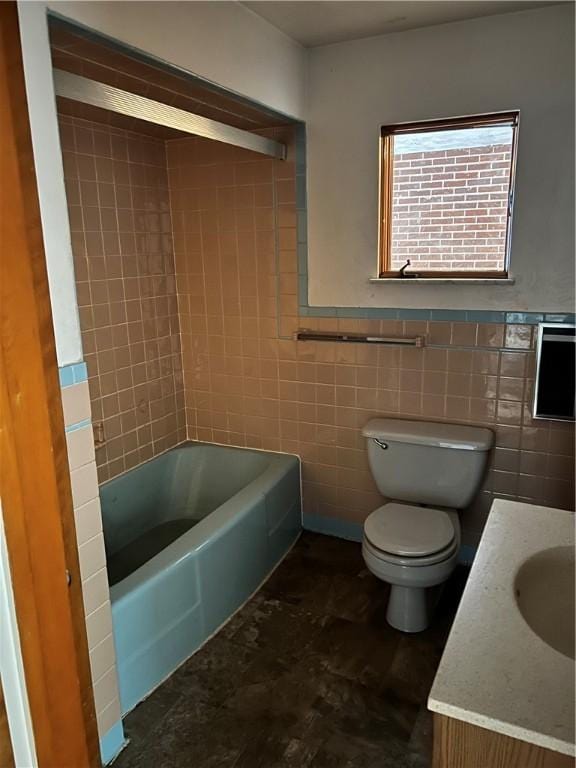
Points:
[[544, 590]]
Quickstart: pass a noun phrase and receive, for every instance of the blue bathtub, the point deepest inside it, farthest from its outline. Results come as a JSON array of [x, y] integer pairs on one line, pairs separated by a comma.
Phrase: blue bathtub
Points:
[[189, 537]]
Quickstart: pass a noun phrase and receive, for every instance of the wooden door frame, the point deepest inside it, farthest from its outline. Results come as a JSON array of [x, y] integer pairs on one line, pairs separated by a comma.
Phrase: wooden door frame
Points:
[[34, 479]]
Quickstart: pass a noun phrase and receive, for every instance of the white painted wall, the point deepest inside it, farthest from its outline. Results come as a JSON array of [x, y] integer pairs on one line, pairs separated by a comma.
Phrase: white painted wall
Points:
[[515, 61], [50, 179], [223, 42]]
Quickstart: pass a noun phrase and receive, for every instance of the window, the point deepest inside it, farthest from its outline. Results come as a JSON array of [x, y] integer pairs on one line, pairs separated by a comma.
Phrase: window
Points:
[[446, 197]]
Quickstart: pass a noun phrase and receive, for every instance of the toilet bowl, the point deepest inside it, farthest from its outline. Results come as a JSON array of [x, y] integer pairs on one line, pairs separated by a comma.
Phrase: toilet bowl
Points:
[[431, 471], [403, 547]]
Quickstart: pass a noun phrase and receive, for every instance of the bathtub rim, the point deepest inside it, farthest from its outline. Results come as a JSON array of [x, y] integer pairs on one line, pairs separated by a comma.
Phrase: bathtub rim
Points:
[[189, 442]]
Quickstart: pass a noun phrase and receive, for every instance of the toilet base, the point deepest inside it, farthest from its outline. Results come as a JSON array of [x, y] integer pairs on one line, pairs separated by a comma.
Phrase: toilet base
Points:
[[410, 609], [414, 589]]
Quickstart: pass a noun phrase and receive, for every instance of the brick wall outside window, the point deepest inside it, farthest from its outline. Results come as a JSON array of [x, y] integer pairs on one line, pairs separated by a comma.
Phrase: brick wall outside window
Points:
[[449, 208]]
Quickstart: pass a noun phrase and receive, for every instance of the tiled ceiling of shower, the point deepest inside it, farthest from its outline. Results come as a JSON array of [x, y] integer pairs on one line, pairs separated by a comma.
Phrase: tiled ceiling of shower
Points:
[[82, 54]]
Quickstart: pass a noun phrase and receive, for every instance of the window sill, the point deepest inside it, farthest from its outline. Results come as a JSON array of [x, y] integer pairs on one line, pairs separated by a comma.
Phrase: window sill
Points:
[[444, 280]]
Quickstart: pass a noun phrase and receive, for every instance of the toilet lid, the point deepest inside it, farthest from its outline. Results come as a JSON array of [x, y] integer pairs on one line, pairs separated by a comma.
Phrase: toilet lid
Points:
[[402, 529]]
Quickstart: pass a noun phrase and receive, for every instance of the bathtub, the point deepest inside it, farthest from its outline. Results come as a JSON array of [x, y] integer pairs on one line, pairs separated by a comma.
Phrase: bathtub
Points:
[[189, 536]]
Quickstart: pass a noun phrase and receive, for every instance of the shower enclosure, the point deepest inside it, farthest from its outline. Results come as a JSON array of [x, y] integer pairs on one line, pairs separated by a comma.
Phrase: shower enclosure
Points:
[[183, 225]]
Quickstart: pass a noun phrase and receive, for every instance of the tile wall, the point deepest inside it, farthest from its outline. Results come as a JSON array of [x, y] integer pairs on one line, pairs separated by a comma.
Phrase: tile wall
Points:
[[86, 502], [118, 201], [248, 383], [187, 275]]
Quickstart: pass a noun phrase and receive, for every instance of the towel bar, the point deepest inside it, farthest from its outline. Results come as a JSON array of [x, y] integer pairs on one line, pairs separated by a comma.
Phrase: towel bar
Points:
[[358, 338]]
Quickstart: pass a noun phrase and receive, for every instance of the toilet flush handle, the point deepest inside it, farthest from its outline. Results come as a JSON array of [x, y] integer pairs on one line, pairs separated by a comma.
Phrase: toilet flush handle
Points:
[[381, 443]]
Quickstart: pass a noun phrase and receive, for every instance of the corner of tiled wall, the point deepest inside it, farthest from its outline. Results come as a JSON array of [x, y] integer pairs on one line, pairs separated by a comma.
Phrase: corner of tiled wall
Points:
[[95, 590], [121, 231]]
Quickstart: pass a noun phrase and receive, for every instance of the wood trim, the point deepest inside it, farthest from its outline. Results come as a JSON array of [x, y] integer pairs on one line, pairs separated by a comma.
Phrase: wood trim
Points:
[[35, 480], [387, 134], [511, 193], [461, 745], [473, 121], [470, 274], [386, 198]]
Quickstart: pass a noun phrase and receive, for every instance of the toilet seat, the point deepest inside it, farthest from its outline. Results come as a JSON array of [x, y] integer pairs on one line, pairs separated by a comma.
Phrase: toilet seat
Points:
[[413, 562], [406, 534]]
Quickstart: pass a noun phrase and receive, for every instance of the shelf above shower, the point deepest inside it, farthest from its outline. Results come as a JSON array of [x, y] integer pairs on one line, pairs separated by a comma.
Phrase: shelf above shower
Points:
[[71, 86]]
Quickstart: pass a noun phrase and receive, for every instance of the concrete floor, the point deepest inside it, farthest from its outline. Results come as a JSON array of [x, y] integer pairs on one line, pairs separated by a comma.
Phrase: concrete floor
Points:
[[307, 675]]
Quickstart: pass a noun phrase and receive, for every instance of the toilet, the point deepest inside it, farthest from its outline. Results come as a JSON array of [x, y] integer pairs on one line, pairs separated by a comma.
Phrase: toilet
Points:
[[429, 472]]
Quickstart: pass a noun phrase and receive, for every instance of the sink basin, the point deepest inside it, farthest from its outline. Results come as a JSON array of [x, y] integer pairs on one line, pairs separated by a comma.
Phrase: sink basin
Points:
[[544, 590]]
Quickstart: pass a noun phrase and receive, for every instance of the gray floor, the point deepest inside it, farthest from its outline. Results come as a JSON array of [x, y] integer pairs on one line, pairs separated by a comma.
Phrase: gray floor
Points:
[[307, 674]]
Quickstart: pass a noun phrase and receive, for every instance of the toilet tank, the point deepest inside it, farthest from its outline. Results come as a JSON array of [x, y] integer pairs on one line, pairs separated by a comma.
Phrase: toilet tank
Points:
[[427, 463]]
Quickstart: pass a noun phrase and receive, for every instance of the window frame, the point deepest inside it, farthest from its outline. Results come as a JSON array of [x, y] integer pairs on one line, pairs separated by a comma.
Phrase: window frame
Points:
[[387, 134]]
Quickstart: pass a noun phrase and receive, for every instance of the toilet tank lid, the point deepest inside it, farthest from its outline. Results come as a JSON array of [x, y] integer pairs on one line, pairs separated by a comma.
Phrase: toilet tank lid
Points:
[[435, 434]]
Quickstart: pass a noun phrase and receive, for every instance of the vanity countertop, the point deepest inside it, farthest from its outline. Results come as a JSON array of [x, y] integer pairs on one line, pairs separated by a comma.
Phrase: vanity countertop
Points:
[[495, 672]]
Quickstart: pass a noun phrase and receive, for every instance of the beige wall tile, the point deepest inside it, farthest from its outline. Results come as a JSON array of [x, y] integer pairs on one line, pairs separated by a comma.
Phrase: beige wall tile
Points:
[[108, 717], [92, 558], [76, 403], [102, 657], [106, 690], [99, 625], [80, 444], [122, 208], [88, 521], [84, 484], [95, 590]]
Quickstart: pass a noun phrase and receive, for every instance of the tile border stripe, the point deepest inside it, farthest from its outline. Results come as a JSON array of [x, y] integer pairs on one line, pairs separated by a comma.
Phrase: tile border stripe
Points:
[[78, 425], [75, 373], [447, 315], [333, 526]]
